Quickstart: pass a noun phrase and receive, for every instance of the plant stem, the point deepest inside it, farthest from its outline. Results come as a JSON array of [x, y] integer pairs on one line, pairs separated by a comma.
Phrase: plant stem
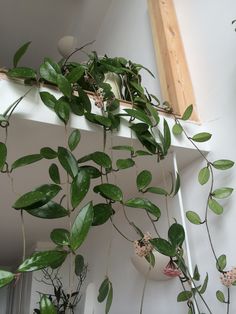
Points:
[[122, 234], [144, 289], [228, 300]]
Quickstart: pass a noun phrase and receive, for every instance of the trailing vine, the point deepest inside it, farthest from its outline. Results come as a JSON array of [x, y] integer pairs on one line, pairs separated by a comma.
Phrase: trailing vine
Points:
[[83, 88]]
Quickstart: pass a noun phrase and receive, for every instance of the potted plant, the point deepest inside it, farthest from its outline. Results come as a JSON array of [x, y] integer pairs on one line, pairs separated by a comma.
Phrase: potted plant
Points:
[[83, 86]]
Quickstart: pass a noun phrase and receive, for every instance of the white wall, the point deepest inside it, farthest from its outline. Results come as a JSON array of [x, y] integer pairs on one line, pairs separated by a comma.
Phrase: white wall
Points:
[[210, 43]]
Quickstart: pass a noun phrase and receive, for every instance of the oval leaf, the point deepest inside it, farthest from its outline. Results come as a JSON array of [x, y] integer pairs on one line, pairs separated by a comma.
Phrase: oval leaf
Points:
[[62, 110], [144, 204], [79, 264], [22, 72], [38, 197], [5, 278], [184, 296], [220, 296], [68, 161], [157, 190], [26, 160], [222, 193], [177, 129], [48, 99], [75, 74], [223, 164], [187, 113], [102, 212], [46, 306], [51, 210], [109, 298], [176, 234], [221, 262], [144, 178], [125, 163], [81, 226], [193, 217], [79, 187], [40, 260], [64, 85], [201, 137], [60, 236], [54, 173], [74, 139], [49, 71], [48, 153], [109, 191], [204, 175], [103, 290], [164, 247], [3, 155], [215, 206]]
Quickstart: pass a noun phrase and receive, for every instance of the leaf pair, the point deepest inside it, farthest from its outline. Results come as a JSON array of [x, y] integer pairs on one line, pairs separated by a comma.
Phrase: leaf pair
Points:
[[106, 292]]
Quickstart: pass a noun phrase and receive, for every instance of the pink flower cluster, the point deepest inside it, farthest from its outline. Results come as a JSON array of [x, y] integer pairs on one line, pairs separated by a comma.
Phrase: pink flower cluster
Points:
[[171, 270], [143, 247], [228, 277]]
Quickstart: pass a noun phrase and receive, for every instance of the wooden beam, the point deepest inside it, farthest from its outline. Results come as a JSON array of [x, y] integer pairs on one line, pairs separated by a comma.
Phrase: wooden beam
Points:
[[176, 85]]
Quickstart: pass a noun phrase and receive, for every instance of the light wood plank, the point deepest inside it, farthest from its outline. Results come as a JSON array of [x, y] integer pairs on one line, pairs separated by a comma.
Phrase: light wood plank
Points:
[[175, 80]]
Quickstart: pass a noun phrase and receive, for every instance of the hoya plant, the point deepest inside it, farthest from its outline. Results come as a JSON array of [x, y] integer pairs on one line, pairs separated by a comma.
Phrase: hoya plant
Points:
[[83, 86]]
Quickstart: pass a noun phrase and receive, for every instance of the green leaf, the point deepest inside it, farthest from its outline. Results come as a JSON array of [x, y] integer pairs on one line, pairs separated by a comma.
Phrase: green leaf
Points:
[[103, 290], [142, 153], [143, 179], [102, 212], [177, 184], [54, 174], [220, 296], [38, 197], [109, 191], [109, 298], [157, 190], [125, 163], [75, 74], [64, 85], [123, 147], [68, 161], [154, 113], [201, 137], [204, 175], [92, 171], [187, 113], [144, 204], [176, 234], [105, 121], [48, 99], [46, 306], [204, 286], [74, 139], [51, 210], [48, 153], [196, 275], [60, 236], [19, 53], [150, 258], [84, 99], [215, 206], [137, 87], [40, 260], [79, 187], [81, 226], [222, 192], [3, 155], [100, 158], [221, 262], [167, 136], [62, 110], [26, 160], [223, 164], [164, 247], [184, 296], [5, 278], [177, 129], [193, 217], [22, 72], [49, 71], [79, 264], [139, 115]]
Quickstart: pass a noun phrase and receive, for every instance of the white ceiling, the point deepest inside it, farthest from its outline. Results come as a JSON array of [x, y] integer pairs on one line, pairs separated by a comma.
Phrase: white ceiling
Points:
[[44, 22]]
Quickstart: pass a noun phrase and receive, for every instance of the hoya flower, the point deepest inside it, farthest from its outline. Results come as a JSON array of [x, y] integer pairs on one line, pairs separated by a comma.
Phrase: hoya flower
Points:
[[143, 246], [171, 270], [229, 277]]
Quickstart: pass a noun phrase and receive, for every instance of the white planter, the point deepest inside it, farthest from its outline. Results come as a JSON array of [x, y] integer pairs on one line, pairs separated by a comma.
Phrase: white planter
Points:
[[156, 272]]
